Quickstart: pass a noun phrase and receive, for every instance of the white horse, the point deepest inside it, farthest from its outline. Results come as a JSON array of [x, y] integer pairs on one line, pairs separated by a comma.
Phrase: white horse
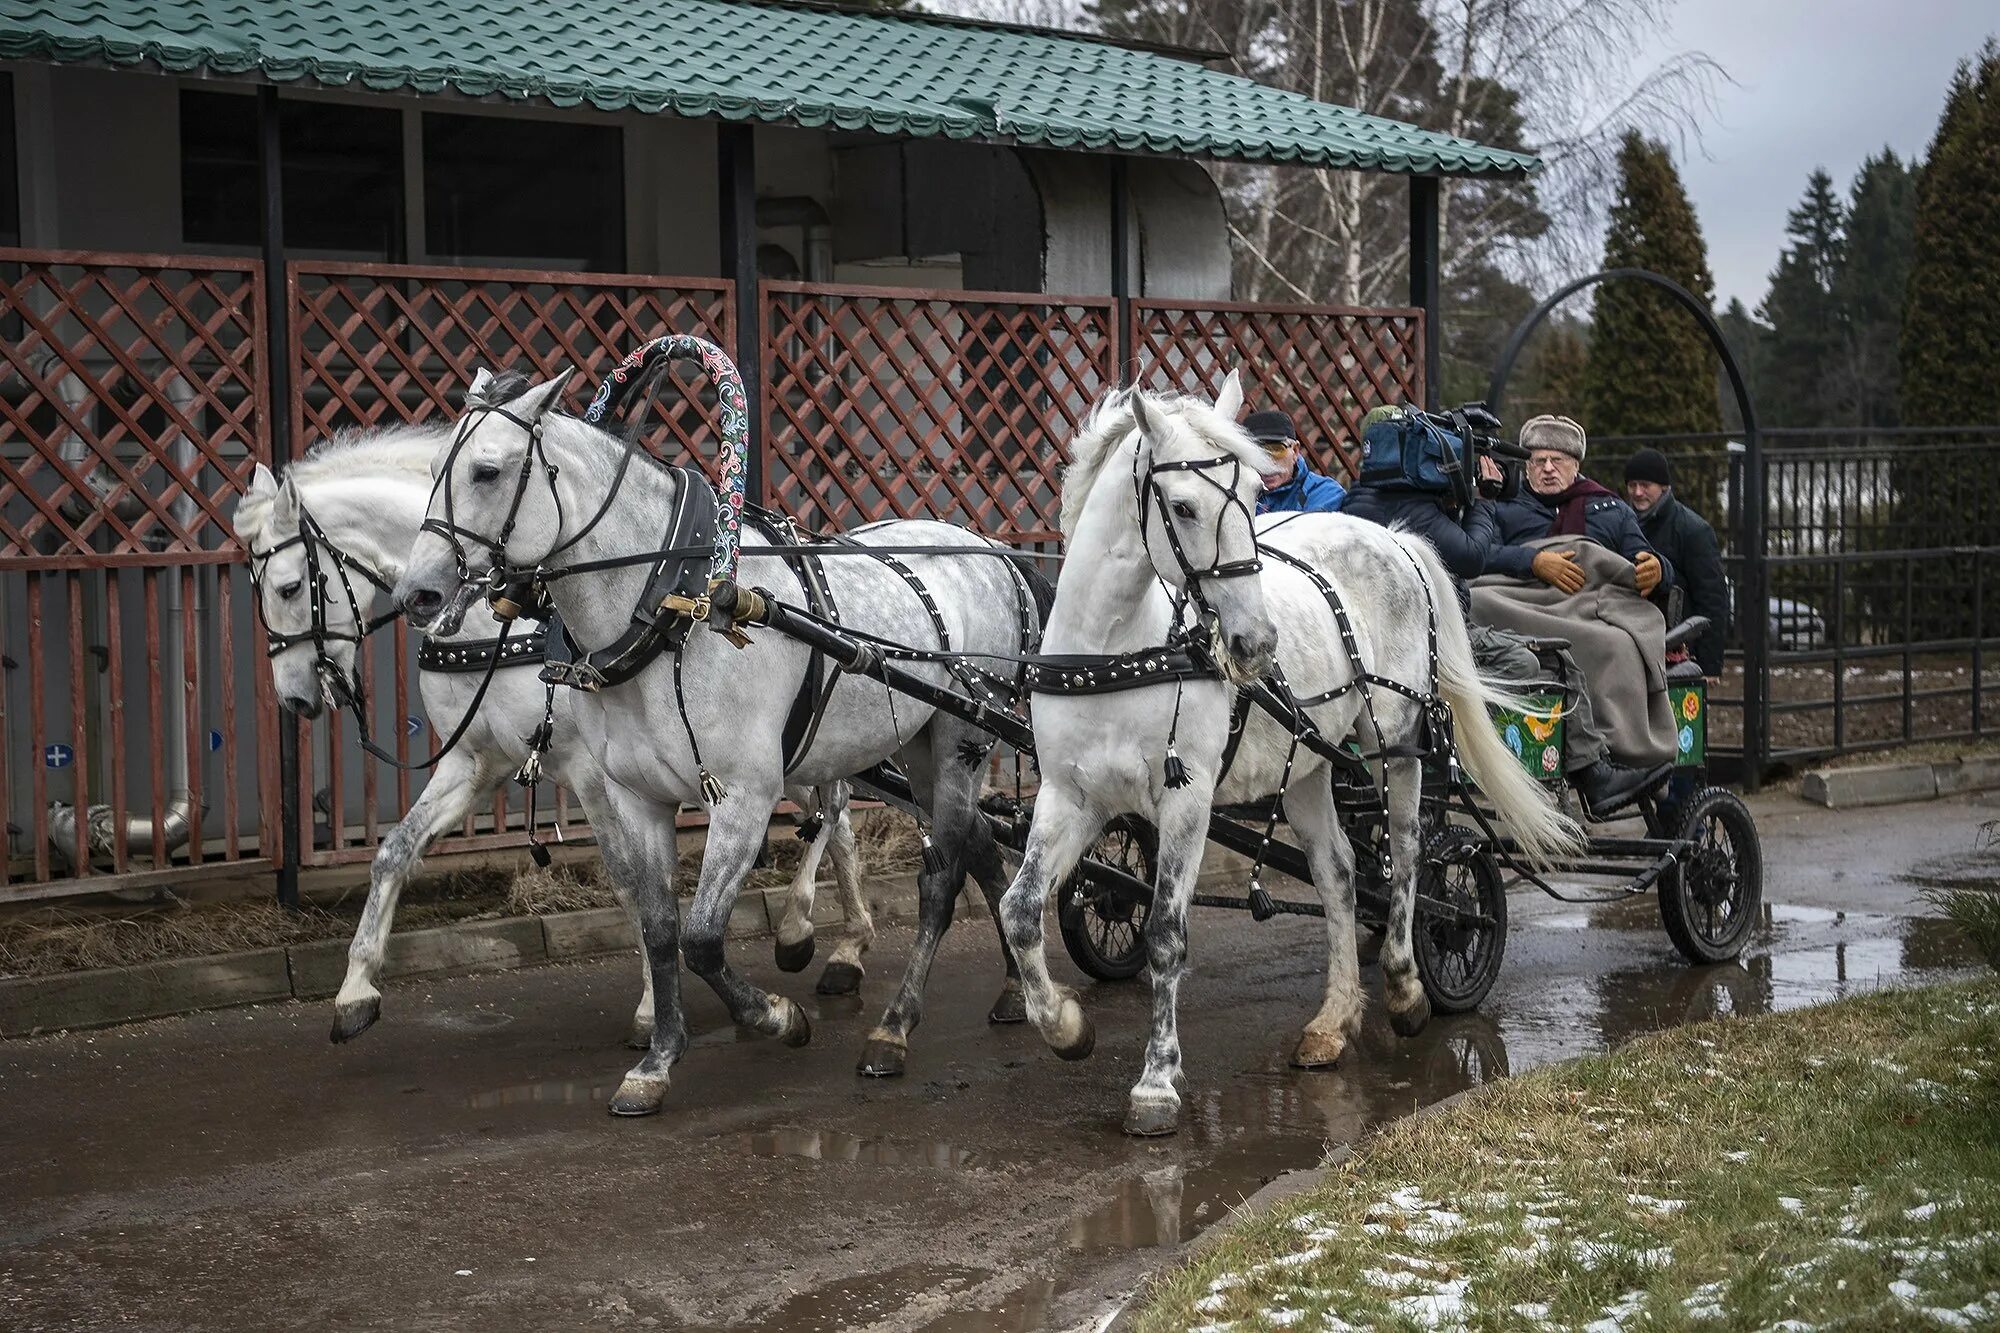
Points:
[[1157, 503], [530, 488], [364, 494]]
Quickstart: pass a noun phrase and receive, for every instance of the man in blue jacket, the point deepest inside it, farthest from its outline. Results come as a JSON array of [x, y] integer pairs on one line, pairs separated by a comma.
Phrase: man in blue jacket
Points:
[[1298, 488]]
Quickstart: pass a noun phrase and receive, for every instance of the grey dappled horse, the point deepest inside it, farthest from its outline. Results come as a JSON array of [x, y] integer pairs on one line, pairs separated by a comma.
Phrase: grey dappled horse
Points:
[[366, 493], [1143, 462], [570, 504]]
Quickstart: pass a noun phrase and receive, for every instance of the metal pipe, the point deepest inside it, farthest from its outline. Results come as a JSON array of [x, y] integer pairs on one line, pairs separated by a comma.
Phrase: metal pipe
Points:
[[94, 834]]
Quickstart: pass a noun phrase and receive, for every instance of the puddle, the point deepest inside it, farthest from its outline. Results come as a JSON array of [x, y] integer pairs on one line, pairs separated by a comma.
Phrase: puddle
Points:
[[479, 1020], [554, 1093], [825, 1145], [865, 1299]]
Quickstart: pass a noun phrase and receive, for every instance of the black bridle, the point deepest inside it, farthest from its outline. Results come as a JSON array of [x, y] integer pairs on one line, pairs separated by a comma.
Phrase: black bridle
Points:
[[525, 585], [320, 633], [1145, 484]]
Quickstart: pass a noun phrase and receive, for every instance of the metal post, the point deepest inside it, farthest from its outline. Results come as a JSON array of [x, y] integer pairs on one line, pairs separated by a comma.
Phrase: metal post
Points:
[[736, 190], [1978, 639], [277, 352], [1756, 610], [1425, 260], [1121, 271], [1839, 656]]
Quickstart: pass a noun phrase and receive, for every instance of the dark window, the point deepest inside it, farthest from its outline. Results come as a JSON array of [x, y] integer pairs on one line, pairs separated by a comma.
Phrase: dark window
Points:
[[10, 167], [342, 166], [525, 192]]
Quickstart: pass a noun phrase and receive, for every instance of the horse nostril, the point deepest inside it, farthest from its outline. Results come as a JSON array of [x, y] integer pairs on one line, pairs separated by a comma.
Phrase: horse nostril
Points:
[[299, 705], [424, 603]]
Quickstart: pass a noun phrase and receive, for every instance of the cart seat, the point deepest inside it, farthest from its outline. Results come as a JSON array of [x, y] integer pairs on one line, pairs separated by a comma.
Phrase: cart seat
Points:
[[1686, 632], [1679, 671]]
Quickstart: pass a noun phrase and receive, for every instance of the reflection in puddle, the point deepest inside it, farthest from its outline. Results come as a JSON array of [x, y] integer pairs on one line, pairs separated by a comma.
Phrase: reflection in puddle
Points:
[[825, 1145], [556, 1092], [867, 1298]]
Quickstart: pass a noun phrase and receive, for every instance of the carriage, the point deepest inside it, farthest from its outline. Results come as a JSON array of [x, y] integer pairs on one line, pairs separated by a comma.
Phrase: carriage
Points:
[[1416, 838], [1701, 858]]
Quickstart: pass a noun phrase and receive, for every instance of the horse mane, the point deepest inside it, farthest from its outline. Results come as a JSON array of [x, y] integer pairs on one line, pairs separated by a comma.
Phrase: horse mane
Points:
[[1112, 419]]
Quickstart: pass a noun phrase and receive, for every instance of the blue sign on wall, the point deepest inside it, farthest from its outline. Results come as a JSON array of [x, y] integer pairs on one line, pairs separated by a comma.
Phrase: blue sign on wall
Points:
[[413, 725], [57, 756], [214, 740]]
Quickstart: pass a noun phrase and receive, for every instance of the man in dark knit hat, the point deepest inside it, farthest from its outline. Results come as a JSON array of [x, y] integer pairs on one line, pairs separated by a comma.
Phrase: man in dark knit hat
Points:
[[1298, 488], [1688, 544]]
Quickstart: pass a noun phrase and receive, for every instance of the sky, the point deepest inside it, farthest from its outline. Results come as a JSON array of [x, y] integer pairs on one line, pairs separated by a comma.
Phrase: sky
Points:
[[1815, 83]]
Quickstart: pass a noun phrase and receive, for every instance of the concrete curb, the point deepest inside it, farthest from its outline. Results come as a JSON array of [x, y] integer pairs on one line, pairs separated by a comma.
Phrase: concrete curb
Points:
[[32, 1006], [1893, 784], [1126, 1316]]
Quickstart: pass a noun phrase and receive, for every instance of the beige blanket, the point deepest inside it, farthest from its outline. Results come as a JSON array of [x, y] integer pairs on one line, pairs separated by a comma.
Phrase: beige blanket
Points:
[[1618, 637]]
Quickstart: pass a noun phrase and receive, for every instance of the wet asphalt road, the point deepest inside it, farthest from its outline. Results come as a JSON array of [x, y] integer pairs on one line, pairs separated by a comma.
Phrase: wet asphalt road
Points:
[[455, 1169]]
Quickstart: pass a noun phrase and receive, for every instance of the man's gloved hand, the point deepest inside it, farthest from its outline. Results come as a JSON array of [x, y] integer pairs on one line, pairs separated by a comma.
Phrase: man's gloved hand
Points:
[[1559, 570], [1646, 569]]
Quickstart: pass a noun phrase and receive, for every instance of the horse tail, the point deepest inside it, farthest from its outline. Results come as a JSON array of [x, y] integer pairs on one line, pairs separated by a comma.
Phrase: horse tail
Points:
[[1542, 831]]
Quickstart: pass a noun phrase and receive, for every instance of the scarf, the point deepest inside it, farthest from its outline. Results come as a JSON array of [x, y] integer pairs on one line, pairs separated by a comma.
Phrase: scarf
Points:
[[1569, 506]]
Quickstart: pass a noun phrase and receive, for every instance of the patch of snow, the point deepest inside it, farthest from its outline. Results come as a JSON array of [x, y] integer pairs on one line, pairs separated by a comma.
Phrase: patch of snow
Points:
[[1657, 1205], [1444, 1304], [1791, 1205], [1395, 1279], [1211, 1304], [1616, 1316], [1537, 1222], [1736, 1156], [1904, 1291], [1534, 1310], [1304, 1256]]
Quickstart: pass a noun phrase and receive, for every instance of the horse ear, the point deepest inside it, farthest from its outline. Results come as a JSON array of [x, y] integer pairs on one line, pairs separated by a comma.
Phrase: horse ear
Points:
[[480, 379], [286, 508], [1145, 417], [536, 402], [1229, 398], [262, 481]]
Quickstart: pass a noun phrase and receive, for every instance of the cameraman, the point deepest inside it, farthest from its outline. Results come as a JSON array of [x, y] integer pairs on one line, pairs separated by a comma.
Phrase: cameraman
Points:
[[1467, 539]]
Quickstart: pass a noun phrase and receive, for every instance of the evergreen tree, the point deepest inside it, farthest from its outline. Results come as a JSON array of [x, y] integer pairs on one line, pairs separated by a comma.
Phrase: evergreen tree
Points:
[[1749, 344], [1651, 366], [1808, 340], [1871, 286], [1951, 316]]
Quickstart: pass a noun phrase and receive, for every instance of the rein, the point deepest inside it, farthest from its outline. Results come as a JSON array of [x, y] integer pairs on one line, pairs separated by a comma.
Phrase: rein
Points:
[[334, 684]]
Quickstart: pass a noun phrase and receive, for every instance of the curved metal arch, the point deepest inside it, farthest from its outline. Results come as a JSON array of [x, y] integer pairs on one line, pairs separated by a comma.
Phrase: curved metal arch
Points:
[[1749, 502]]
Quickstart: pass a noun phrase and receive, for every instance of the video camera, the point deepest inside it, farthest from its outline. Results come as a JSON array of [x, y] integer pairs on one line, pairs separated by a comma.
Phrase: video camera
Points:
[[1438, 453]]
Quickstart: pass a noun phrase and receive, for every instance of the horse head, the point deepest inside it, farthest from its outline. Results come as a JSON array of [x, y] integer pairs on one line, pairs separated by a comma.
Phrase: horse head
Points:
[[1196, 476], [494, 504]]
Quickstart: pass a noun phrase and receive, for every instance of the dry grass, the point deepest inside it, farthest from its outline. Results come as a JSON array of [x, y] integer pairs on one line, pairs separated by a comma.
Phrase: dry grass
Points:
[[1976, 912], [43, 941], [1828, 1168]]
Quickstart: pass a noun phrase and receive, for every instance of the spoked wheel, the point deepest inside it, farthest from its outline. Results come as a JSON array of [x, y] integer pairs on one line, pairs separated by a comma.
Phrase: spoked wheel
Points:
[[1104, 929], [1460, 932], [1709, 901]]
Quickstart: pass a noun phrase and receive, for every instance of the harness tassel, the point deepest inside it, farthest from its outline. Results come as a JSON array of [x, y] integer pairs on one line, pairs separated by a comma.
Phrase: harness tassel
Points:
[[1261, 906], [712, 789], [1177, 774], [934, 863]]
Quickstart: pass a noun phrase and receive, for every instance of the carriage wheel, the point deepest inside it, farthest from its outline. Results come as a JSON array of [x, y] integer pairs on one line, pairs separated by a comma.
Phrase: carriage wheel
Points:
[[1105, 930], [1709, 901], [1458, 952]]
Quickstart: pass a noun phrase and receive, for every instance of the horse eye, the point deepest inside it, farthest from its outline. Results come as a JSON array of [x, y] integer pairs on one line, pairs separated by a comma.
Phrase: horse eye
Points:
[[290, 590], [1183, 511], [485, 472]]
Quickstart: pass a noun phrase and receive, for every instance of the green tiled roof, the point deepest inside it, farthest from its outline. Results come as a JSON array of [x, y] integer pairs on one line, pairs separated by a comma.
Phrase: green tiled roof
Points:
[[728, 59]]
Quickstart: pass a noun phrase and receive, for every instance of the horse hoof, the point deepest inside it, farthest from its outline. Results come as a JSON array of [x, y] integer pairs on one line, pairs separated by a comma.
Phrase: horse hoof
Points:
[[839, 979], [794, 1029], [1152, 1118], [639, 1096], [1318, 1050], [1073, 1037], [1011, 1007], [1409, 1022], [351, 1020], [882, 1058], [794, 957]]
